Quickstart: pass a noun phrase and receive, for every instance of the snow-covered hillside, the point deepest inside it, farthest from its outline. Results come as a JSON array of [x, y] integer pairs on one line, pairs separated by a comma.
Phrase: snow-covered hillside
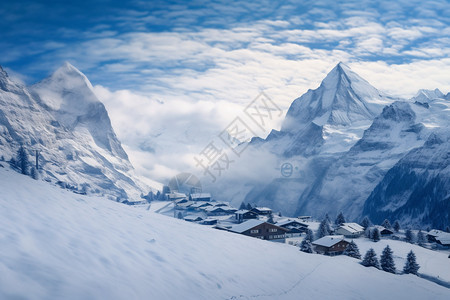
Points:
[[62, 118], [60, 245]]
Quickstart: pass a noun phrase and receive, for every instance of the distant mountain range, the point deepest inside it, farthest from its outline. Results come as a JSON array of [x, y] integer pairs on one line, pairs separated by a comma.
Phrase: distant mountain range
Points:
[[362, 152], [62, 118]]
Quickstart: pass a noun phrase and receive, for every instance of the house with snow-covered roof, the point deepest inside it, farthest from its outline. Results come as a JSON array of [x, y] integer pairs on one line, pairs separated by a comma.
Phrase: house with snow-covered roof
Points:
[[439, 236], [350, 230], [262, 210], [244, 214], [294, 226], [260, 229], [330, 245], [200, 197]]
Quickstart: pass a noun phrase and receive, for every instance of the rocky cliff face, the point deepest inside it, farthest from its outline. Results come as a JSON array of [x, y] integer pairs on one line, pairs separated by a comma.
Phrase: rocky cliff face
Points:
[[62, 118]]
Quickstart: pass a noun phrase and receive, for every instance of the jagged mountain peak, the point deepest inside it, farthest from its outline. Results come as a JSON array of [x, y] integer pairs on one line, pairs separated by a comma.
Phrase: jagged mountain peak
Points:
[[424, 95], [68, 91], [7, 84], [342, 98]]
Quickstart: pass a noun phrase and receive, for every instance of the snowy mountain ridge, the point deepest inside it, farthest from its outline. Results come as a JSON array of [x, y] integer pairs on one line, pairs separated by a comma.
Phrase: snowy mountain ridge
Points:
[[343, 138], [62, 118]]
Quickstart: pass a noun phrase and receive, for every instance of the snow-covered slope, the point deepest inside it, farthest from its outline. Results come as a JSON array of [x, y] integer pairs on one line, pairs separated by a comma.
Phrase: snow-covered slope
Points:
[[59, 245], [63, 119]]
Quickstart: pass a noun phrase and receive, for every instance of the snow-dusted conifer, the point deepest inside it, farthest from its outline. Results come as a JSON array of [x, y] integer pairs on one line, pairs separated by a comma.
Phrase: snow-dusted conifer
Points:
[[421, 239], [22, 160], [411, 265], [409, 236], [387, 260], [305, 246], [324, 229], [397, 226], [352, 250], [242, 206], [249, 206], [370, 259], [375, 235], [386, 224], [309, 235], [366, 222], [340, 219]]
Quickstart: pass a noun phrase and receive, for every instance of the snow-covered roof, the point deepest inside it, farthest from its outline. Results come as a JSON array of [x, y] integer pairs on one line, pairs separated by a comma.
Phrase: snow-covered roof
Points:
[[262, 208], [329, 240], [441, 236], [175, 195], [352, 227], [200, 204], [288, 221], [185, 204], [193, 218], [246, 225], [200, 195], [242, 211]]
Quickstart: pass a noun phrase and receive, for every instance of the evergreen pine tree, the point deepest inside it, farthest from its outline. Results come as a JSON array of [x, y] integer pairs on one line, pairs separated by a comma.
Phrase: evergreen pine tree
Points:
[[324, 229], [305, 246], [396, 226], [411, 265], [421, 239], [387, 260], [375, 235], [242, 206], [22, 160], [249, 206], [352, 250], [386, 224], [309, 235], [370, 259], [366, 222], [340, 219], [409, 236], [447, 229]]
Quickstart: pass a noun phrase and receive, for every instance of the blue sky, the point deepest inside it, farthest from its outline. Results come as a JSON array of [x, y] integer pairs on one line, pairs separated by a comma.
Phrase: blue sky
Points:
[[181, 70]]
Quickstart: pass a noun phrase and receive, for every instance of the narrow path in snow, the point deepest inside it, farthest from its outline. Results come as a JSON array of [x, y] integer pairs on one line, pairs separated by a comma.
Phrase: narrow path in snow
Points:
[[284, 292]]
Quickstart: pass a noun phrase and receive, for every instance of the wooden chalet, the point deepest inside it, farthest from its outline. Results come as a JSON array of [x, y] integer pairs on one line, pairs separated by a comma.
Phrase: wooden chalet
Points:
[[243, 215], [350, 230], [263, 211], [330, 245], [260, 229], [295, 227], [440, 237], [200, 197]]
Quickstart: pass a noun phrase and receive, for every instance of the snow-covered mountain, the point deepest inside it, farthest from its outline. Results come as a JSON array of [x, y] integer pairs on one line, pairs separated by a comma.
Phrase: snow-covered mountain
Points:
[[59, 245], [319, 128], [342, 139], [417, 188], [62, 118]]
